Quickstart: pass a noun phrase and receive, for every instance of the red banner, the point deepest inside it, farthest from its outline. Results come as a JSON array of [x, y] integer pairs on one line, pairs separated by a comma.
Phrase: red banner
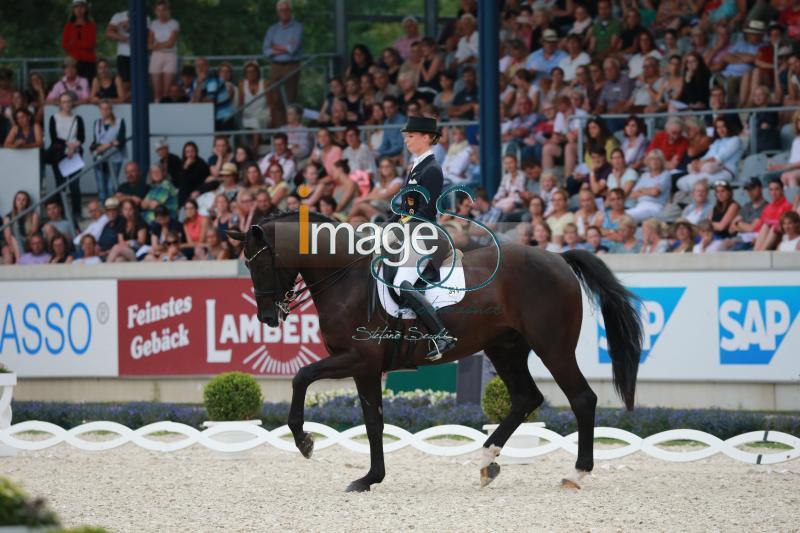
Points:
[[208, 326]]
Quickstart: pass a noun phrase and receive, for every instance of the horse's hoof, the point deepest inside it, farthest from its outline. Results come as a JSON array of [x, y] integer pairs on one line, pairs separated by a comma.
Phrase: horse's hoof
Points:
[[574, 480], [357, 486], [307, 446], [488, 473]]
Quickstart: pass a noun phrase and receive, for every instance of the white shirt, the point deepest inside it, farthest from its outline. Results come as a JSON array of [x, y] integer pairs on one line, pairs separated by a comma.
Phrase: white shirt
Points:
[[455, 166], [163, 30], [794, 155], [120, 20], [94, 229], [569, 65], [286, 163], [467, 47], [419, 159]]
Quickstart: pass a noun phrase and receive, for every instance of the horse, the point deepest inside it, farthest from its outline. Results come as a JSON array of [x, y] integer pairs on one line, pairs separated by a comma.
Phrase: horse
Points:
[[536, 301]]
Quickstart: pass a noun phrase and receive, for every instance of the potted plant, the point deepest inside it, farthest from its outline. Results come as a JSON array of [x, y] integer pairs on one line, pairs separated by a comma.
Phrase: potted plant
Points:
[[21, 514], [231, 400], [496, 404], [8, 380]]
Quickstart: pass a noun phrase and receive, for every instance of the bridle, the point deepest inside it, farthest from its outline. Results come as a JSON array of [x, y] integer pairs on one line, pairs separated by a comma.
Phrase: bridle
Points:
[[290, 300]]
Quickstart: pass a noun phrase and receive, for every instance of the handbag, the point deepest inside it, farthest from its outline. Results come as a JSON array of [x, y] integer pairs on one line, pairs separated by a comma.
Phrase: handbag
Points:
[[58, 148]]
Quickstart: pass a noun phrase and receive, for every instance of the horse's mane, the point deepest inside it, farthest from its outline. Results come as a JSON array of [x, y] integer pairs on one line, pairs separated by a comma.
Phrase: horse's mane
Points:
[[279, 215]]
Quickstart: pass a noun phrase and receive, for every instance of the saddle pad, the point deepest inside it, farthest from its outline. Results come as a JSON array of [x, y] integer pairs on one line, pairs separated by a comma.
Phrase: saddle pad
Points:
[[437, 296]]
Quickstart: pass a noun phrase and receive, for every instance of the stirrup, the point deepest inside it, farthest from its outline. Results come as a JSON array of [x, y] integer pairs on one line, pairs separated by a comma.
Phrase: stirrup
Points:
[[436, 353]]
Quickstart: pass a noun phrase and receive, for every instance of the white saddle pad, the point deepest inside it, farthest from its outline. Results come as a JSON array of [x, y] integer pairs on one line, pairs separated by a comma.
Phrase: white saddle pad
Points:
[[437, 296]]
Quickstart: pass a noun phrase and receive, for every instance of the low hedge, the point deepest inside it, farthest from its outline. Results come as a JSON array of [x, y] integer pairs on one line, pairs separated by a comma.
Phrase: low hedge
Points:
[[414, 412]]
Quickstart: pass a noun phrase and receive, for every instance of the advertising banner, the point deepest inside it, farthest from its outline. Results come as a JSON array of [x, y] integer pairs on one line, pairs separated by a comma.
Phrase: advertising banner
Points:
[[208, 326], [711, 326], [59, 329]]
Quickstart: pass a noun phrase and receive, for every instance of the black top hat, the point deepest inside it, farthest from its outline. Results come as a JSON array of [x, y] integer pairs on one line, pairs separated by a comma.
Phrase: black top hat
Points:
[[421, 125]]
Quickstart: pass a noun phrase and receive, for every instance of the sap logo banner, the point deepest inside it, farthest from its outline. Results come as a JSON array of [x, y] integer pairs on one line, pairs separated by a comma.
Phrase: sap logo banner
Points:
[[656, 306], [753, 322]]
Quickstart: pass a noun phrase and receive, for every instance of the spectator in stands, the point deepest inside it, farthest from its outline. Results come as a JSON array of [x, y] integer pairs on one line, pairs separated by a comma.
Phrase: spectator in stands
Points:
[[222, 154], [106, 86], [391, 60], [193, 173], [594, 241], [725, 211], [131, 234], [621, 177], [648, 88], [231, 103], [360, 61], [70, 83], [25, 133], [282, 155], [467, 50], [700, 207], [383, 87], [790, 242], [109, 134], [739, 60], [514, 59], [707, 243], [36, 254], [175, 95], [746, 222], [559, 216], [604, 35], [210, 88], [616, 93], [599, 170], [465, 102], [631, 29], [188, 81], [16, 236], [653, 241], [628, 243], [358, 154], [644, 48], [456, 162], [277, 185], [543, 235], [697, 140], [521, 126], [597, 138], [108, 235], [170, 163], [262, 207], [60, 250], [684, 237], [67, 135], [513, 181], [634, 143], [80, 38], [548, 57], [571, 239], [213, 249], [283, 45], [587, 214], [326, 153], [134, 189], [555, 88], [411, 36], [392, 143], [317, 185], [117, 30], [300, 142], [535, 213], [223, 217], [671, 143], [344, 189], [790, 171], [195, 225], [161, 193], [768, 224], [377, 201], [409, 94], [575, 56], [613, 215], [253, 178], [253, 100], [162, 41], [767, 58], [88, 256], [652, 189], [35, 94], [98, 220], [695, 91], [790, 19], [327, 206], [162, 229], [768, 130], [722, 158]]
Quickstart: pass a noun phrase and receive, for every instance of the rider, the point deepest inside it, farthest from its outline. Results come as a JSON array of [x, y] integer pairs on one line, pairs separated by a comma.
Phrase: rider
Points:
[[421, 133]]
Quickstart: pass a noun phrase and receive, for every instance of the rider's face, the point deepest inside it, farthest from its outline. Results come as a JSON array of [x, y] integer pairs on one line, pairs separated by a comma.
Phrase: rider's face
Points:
[[416, 142]]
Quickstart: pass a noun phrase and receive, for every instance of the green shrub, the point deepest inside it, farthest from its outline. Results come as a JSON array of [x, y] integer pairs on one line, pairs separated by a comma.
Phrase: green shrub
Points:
[[233, 396], [4, 370], [496, 402], [17, 509]]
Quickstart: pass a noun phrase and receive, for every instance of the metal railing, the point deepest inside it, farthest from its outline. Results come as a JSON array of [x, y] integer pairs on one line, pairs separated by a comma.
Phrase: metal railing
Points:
[[61, 190]]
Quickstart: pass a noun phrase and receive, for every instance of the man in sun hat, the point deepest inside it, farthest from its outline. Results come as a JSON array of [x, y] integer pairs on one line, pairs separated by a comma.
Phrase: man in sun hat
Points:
[[546, 58], [739, 61]]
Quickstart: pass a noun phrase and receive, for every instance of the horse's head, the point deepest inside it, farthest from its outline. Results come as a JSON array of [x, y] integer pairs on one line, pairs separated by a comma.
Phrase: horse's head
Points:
[[271, 283]]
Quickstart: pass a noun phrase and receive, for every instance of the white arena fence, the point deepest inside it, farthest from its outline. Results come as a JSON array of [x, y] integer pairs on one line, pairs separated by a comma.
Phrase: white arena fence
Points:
[[419, 441]]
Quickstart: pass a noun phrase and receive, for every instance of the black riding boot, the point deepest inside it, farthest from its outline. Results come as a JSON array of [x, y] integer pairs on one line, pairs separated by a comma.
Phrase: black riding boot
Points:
[[430, 320]]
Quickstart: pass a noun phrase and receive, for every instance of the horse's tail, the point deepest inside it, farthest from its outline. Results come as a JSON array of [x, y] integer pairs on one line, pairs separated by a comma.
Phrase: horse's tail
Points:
[[623, 325]]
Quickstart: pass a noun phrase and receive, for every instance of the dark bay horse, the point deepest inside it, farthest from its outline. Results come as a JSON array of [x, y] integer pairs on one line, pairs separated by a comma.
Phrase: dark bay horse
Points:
[[536, 299]]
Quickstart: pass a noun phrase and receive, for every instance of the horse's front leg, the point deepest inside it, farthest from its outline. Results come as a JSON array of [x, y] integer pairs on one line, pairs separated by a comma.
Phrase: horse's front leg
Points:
[[369, 391], [335, 367]]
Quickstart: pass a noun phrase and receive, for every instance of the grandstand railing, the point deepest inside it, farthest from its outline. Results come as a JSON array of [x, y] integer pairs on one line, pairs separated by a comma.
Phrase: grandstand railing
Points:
[[61, 190]]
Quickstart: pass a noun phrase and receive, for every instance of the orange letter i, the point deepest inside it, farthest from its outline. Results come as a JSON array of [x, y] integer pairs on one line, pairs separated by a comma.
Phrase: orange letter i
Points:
[[304, 191]]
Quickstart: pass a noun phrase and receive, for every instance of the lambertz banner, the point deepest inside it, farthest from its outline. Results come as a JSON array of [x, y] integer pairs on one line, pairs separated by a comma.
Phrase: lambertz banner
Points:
[[716, 326], [207, 326]]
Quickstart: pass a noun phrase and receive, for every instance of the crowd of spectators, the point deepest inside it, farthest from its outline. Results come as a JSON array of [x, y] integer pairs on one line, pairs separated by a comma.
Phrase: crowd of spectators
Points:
[[668, 185]]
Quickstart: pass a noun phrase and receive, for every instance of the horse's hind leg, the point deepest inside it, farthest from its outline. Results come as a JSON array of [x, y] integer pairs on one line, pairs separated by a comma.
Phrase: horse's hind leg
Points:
[[583, 402], [510, 358]]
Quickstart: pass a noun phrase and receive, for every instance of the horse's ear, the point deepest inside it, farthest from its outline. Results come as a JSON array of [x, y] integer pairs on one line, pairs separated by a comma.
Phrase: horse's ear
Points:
[[258, 233], [235, 235]]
